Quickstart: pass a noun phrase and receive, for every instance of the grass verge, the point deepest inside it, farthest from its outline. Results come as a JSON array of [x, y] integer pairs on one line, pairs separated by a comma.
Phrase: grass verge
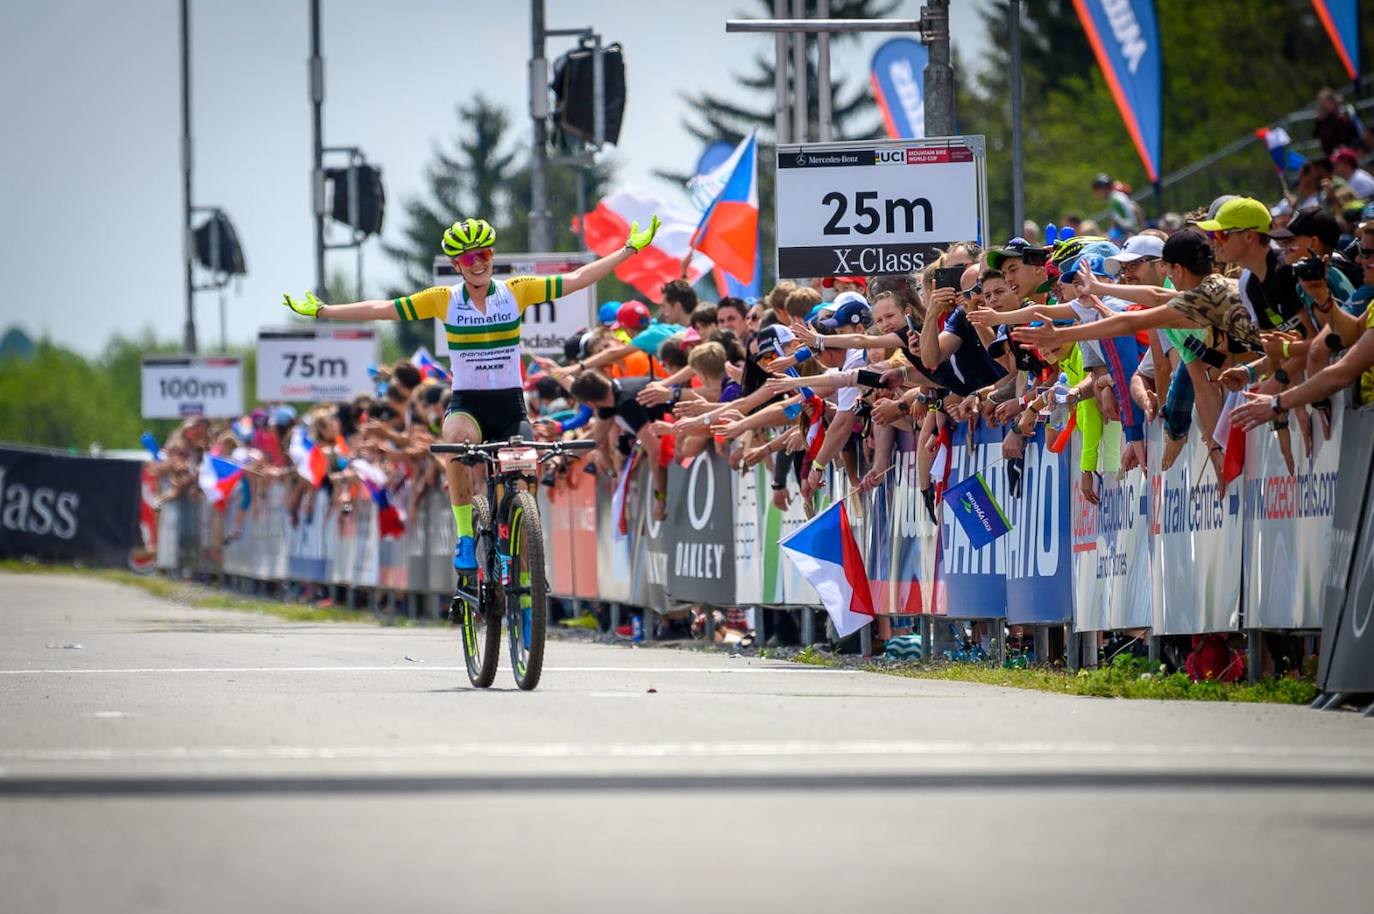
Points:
[[198, 597]]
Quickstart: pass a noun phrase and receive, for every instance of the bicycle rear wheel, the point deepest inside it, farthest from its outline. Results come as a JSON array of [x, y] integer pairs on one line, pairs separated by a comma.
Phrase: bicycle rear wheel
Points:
[[528, 619], [482, 624]]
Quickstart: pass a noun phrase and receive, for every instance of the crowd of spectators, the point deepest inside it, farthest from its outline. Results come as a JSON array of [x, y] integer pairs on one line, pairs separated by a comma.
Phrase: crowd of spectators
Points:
[[1147, 321]]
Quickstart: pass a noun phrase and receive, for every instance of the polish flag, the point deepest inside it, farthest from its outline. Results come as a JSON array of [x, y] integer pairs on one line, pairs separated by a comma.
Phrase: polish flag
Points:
[[608, 225]]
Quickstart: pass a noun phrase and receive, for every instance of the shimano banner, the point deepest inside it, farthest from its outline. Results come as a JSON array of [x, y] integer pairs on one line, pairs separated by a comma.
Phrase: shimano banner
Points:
[[898, 73], [974, 581], [1038, 560], [53, 505], [1124, 35]]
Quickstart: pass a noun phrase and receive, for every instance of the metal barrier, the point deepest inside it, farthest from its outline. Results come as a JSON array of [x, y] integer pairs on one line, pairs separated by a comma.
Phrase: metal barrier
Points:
[[1169, 551]]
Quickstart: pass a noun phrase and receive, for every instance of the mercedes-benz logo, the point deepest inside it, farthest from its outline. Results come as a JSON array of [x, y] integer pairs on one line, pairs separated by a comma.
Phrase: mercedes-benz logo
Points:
[[801, 159]]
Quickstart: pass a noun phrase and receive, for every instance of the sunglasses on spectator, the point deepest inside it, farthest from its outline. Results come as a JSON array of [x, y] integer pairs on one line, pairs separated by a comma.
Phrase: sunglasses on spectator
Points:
[[481, 255], [1366, 252], [1221, 234], [969, 293]]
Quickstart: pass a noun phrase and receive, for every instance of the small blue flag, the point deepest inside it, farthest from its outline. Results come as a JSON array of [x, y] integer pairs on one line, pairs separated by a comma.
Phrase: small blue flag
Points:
[[977, 510]]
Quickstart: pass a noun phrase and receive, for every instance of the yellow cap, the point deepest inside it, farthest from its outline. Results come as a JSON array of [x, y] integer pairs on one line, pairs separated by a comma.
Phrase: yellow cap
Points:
[[1237, 215]]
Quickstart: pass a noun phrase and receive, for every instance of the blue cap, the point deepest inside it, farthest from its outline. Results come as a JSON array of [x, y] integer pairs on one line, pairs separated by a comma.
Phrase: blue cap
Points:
[[1096, 263], [850, 313], [283, 415], [607, 312]]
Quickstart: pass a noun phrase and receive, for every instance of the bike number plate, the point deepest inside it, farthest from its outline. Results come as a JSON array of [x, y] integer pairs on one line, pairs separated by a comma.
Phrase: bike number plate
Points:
[[523, 460]]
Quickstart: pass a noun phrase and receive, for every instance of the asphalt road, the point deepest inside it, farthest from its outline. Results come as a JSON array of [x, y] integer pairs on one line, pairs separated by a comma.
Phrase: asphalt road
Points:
[[192, 760]]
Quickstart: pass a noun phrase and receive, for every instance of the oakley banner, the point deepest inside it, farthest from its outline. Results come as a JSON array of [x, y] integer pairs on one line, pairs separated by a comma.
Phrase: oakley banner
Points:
[[57, 506], [858, 209], [700, 531]]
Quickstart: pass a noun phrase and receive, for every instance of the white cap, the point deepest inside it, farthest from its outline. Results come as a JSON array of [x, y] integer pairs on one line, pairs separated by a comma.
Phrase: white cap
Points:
[[1136, 247], [846, 297]]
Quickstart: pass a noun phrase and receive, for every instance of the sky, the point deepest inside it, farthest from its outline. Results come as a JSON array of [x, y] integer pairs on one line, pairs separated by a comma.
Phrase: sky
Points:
[[90, 205]]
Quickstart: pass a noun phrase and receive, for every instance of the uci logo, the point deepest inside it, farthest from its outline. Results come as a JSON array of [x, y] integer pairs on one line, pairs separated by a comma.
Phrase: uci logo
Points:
[[891, 157], [699, 521]]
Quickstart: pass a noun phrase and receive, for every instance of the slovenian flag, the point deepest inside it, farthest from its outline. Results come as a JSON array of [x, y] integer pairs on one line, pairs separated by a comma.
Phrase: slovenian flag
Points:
[[827, 556], [390, 521], [729, 229], [977, 511], [218, 478], [1277, 141], [428, 367]]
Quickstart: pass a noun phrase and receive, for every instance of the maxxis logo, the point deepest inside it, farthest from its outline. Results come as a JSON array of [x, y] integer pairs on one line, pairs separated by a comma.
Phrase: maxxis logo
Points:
[[699, 521]]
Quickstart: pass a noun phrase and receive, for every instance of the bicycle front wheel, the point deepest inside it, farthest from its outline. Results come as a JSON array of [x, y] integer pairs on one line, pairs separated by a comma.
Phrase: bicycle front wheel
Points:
[[528, 619], [482, 624]]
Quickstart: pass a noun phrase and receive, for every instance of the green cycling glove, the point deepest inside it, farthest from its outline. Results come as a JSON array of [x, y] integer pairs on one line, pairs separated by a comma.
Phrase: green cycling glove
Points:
[[306, 307], [639, 240]]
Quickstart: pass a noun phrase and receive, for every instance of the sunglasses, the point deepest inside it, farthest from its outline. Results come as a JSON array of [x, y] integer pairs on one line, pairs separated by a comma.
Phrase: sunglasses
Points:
[[969, 293], [1221, 235], [1367, 252], [481, 255]]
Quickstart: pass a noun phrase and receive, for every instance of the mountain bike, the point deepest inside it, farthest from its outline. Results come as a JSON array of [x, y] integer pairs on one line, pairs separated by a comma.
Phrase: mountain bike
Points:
[[510, 559]]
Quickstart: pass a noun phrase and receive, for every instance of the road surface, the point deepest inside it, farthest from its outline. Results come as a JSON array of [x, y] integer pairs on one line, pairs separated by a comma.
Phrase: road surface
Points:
[[155, 757]]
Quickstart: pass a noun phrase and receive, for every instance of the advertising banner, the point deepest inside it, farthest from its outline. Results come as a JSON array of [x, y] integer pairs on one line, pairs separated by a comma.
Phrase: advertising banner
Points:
[[701, 528], [885, 206], [175, 387], [1347, 656], [1111, 544], [783, 585], [53, 505], [544, 327], [1038, 557], [650, 573], [1124, 35], [748, 487], [316, 363], [1288, 526], [902, 569], [898, 75], [1195, 541], [613, 553], [974, 580], [581, 494]]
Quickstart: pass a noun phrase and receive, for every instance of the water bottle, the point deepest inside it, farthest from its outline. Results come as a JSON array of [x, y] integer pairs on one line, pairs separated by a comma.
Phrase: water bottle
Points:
[[636, 628], [1059, 397]]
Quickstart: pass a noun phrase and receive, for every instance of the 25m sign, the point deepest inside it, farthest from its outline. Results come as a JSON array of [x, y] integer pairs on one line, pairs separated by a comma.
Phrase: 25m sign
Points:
[[315, 363], [879, 207]]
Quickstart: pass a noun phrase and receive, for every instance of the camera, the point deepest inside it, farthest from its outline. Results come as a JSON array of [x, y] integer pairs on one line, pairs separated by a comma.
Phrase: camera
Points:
[[1310, 269]]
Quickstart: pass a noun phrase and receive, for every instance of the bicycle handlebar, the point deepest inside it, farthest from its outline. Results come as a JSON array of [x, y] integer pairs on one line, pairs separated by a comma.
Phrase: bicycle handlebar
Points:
[[491, 447]]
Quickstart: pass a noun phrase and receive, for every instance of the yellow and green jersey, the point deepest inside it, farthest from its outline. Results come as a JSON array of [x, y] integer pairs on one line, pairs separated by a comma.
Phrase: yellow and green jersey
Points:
[[484, 347]]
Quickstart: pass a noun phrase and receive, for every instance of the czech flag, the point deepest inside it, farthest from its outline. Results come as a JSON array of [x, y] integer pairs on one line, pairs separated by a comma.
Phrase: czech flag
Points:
[[309, 459], [659, 263], [729, 229], [827, 556], [1276, 140], [218, 478], [428, 367], [390, 521]]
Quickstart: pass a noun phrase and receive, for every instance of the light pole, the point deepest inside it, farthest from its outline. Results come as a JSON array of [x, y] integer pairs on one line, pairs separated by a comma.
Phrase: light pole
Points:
[[317, 142], [189, 334], [541, 222]]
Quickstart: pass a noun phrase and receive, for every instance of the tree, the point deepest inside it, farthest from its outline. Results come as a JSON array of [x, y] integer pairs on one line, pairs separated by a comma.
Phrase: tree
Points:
[[1072, 129]]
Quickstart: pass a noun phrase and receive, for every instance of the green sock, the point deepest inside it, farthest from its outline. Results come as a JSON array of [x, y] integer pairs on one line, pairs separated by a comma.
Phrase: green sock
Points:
[[462, 519]]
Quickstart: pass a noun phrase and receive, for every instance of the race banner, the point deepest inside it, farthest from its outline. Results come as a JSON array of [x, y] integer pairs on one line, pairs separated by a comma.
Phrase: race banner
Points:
[[898, 76], [650, 572], [53, 505], [581, 498], [901, 566], [1111, 543], [886, 206], [974, 581], [748, 486], [1038, 557], [1195, 541], [1124, 35], [1347, 655], [613, 552], [1288, 526], [701, 528]]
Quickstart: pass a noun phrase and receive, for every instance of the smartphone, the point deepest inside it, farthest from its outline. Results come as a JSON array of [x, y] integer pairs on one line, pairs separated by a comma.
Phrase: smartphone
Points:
[[870, 378], [1035, 257], [948, 277]]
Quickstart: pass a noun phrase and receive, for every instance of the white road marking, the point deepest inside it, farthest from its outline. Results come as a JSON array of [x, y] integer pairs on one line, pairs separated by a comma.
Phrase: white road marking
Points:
[[686, 750], [799, 668]]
